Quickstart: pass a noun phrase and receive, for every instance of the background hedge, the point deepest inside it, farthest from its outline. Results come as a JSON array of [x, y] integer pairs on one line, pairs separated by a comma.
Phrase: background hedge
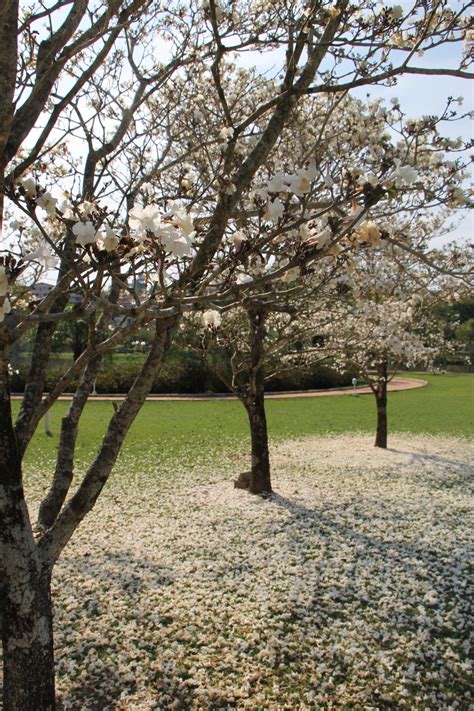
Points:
[[185, 373]]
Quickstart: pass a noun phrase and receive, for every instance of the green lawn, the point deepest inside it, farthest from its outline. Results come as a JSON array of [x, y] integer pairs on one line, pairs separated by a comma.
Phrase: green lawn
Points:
[[197, 431]]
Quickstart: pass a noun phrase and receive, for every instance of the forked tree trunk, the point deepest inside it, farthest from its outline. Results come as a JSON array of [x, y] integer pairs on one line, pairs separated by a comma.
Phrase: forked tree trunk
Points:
[[381, 400], [260, 482], [63, 475]]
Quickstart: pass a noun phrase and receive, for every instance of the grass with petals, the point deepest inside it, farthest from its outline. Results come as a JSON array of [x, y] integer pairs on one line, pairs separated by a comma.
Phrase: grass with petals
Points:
[[193, 432], [348, 588]]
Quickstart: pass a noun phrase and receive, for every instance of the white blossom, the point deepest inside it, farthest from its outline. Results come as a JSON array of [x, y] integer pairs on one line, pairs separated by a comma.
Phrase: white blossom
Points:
[[300, 184], [226, 133], [405, 175], [48, 203], [274, 210], [109, 240], [369, 232], [243, 278], [29, 186], [211, 319], [144, 219], [87, 209], [230, 189], [397, 12], [324, 237], [185, 221], [181, 246], [279, 183], [238, 239], [85, 233], [176, 234], [173, 239]]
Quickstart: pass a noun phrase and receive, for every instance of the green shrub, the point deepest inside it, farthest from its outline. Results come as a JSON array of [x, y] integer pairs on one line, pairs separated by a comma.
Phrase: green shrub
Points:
[[184, 372], [181, 373], [319, 377], [20, 374]]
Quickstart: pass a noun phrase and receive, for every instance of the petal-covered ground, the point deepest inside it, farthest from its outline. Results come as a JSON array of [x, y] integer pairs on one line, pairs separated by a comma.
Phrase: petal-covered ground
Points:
[[350, 588]]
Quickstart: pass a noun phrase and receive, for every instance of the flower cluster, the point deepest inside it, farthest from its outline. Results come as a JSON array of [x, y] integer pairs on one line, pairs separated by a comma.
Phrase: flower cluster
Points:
[[175, 232]]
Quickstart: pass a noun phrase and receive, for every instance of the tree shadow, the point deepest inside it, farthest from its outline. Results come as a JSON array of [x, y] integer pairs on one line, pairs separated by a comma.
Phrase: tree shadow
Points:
[[119, 576], [422, 607], [118, 570], [326, 524], [451, 473]]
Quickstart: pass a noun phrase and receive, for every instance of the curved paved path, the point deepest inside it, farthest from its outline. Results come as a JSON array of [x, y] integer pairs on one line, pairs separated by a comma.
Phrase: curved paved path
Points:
[[394, 385]]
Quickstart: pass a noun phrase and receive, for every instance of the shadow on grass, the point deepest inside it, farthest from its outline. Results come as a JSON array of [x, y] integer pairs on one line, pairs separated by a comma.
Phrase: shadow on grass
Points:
[[118, 571], [451, 473], [125, 577], [397, 589]]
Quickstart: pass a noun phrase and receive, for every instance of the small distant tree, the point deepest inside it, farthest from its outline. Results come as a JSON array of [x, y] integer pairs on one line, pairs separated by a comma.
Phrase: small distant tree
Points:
[[71, 335], [456, 319], [377, 338], [385, 320], [465, 335]]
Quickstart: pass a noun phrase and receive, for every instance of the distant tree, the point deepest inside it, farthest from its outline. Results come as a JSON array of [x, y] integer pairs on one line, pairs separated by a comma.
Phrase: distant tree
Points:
[[71, 335], [386, 319]]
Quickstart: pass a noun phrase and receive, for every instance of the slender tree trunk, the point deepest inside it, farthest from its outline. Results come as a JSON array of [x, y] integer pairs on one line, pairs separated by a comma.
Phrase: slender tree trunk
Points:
[[64, 472], [8, 69], [56, 537], [25, 613], [26, 423], [260, 481], [381, 400]]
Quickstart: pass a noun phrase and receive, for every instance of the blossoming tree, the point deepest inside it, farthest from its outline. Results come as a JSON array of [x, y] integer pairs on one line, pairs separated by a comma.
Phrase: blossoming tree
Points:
[[98, 140], [385, 320], [248, 346]]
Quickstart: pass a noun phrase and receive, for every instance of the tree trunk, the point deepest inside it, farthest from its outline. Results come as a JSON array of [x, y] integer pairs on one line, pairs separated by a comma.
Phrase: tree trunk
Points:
[[53, 541], [254, 402], [260, 482], [26, 423], [25, 613], [381, 400], [27, 638], [8, 71]]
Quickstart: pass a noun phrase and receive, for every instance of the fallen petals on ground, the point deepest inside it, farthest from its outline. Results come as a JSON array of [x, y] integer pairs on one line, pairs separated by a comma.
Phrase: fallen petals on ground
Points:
[[350, 587]]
